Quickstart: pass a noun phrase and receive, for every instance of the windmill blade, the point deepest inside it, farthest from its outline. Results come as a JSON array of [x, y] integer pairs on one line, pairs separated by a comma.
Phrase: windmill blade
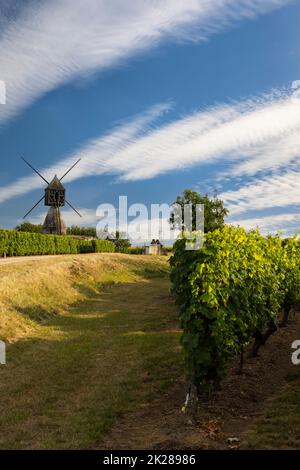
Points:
[[67, 172], [73, 208], [41, 176], [34, 207]]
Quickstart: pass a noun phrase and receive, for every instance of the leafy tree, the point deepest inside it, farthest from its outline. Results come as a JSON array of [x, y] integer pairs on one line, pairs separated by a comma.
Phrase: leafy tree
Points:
[[121, 244], [214, 211], [82, 231], [28, 227]]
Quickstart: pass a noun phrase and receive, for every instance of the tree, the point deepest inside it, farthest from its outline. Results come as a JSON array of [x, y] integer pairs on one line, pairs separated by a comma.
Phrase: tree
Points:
[[82, 231], [28, 227], [121, 243], [214, 211]]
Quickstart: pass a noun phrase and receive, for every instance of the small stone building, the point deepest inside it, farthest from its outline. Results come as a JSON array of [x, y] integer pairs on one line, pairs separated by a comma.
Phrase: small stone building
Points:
[[155, 248]]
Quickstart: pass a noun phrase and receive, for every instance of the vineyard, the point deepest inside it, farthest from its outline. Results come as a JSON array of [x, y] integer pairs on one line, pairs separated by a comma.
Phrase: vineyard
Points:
[[14, 243], [69, 321], [236, 290]]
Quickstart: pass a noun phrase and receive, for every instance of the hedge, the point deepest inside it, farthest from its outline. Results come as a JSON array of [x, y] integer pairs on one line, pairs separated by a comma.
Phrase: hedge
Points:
[[102, 246], [14, 243], [229, 292], [135, 250]]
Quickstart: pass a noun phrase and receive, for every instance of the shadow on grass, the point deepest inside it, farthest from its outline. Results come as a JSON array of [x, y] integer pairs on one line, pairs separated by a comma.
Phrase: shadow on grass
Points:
[[37, 313], [140, 305]]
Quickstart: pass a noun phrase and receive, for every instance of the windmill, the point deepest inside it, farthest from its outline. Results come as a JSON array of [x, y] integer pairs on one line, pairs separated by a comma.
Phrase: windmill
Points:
[[55, 198]]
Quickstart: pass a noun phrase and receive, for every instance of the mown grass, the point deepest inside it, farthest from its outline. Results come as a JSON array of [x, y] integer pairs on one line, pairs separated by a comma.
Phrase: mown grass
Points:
[[89, 339], [279, 426]]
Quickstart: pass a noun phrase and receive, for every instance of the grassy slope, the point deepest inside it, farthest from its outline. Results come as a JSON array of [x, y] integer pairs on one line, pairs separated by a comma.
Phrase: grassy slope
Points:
[[90, 338], [279, 426]]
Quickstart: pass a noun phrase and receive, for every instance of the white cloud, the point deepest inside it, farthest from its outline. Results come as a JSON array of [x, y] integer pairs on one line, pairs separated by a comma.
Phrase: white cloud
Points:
[[286, 223], [272, 154], [96, 154], [70, 217], [148, 229], [140, 232], [223, 132], [281, 190], [47, 44], [136, 151]]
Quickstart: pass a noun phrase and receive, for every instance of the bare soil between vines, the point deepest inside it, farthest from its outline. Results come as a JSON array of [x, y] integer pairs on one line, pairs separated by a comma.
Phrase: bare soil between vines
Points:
[[230, 413]]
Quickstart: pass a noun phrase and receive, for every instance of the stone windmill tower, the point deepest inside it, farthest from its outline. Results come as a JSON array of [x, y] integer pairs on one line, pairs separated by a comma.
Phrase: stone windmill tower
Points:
[[54, 198]]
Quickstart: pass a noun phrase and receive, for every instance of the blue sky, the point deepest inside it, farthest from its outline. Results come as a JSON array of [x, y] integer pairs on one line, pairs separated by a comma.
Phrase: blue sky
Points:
[[155, 96]]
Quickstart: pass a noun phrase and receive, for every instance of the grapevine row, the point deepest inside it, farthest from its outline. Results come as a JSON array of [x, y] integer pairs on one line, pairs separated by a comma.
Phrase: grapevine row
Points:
[[229, 292]]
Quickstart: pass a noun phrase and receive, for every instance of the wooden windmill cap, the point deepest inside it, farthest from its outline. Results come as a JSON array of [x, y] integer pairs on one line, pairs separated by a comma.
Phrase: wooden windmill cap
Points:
[[55, 184]]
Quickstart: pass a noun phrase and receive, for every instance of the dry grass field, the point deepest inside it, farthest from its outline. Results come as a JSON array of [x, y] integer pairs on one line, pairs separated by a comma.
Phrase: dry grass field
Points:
[[89, 338]]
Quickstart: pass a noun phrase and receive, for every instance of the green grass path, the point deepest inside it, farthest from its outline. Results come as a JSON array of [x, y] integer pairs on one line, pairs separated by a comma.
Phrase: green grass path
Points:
[[279, 426], [108, 354]]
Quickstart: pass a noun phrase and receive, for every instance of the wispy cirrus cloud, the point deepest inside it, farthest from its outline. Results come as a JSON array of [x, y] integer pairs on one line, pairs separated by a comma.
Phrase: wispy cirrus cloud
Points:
[[285, 223], [227, 132], [46, 44], [136, 150], [96, 154], [276, 190], [272, 154]]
